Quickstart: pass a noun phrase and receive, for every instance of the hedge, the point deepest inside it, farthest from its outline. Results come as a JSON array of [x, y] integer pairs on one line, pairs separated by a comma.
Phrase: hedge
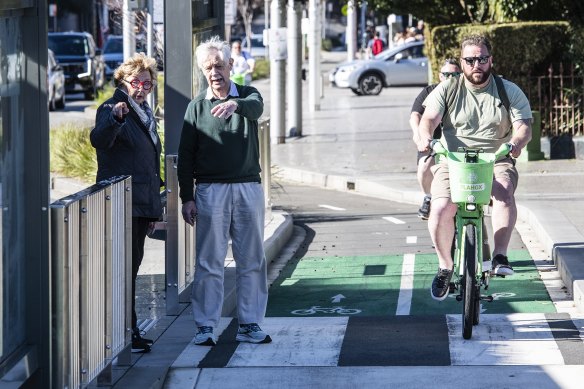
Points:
[[519, 49]]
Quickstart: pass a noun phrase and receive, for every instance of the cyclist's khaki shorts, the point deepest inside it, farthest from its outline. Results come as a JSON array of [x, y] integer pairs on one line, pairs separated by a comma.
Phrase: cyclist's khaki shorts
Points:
[[504, 171]]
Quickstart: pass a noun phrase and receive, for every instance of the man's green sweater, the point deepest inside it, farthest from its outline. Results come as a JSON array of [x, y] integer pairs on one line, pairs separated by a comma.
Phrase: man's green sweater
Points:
[[214, 150]]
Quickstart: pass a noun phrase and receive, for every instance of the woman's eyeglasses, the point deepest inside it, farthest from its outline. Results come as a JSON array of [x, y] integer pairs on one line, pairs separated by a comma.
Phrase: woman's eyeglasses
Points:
[[146, 85], [471, 60], [450, 74]]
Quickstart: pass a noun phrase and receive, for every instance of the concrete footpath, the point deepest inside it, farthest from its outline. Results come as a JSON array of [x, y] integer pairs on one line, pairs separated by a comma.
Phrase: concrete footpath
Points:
[[362, 144]]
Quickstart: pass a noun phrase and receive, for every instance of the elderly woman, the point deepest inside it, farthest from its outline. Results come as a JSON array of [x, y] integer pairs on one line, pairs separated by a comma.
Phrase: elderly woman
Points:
[[127, 143]]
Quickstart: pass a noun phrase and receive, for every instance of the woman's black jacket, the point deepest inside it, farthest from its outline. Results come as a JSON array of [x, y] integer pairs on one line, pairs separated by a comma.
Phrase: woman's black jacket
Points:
[[126, 148]]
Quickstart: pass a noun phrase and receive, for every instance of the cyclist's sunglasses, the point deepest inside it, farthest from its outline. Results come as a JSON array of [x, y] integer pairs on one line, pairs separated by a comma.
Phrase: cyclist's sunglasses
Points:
[[471, 60], [146, 85], [450, 74]]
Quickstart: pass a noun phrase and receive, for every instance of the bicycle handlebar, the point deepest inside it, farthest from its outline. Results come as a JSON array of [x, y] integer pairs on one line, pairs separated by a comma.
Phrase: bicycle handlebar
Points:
[[438, 148]]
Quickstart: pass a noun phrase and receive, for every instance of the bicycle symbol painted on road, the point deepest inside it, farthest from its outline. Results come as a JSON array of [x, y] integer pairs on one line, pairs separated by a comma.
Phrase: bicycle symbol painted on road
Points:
[[496, 296], [317, 309]]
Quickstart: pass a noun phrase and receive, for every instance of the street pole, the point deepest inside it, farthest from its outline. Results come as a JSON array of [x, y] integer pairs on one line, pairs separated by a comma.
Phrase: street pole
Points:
[[294, 86], [267, 27], [128, 30], [277, 76], [152, 97], [314, 38], [351, 32]]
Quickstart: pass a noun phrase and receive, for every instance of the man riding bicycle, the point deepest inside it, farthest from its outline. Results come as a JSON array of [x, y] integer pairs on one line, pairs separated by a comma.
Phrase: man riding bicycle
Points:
[[474, 114]]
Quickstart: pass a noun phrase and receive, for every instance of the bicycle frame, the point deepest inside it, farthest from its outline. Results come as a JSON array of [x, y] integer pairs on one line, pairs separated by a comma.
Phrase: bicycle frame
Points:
[[471, 177]]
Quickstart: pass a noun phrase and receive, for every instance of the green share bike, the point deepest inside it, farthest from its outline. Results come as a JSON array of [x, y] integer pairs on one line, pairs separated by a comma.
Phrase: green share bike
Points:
[[471, 181]]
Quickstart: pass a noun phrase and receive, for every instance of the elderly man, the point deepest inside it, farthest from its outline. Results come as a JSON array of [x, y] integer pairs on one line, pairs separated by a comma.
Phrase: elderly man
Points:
[[219, 149], [476, 117]]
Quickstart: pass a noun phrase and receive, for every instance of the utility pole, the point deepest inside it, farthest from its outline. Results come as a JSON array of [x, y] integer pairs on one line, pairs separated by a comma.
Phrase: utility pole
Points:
[[266, 32], [277, 75], [294, 86], [128, 30], [314, 38], [351, 32], [153, 96]]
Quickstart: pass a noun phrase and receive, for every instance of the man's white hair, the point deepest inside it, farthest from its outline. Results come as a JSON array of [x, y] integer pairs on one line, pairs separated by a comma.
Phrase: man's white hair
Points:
[[213, 44]]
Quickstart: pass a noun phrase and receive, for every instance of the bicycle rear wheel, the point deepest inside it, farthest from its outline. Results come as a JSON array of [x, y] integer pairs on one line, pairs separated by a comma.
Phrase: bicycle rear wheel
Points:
[[469, 290]]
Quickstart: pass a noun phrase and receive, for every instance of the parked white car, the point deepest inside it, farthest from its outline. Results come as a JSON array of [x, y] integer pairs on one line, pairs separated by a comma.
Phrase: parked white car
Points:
[[402, 65]]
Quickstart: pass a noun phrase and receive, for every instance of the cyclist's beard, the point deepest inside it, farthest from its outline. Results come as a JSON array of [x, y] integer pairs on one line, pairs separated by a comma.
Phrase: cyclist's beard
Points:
[[478, 76]]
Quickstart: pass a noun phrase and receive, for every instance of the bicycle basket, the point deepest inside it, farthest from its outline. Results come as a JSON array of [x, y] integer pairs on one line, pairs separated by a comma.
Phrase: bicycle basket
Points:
[[471, 179]]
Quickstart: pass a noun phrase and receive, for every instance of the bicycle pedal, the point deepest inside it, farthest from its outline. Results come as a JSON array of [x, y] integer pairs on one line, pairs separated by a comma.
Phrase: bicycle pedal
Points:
[[487, 298], [458, 297]]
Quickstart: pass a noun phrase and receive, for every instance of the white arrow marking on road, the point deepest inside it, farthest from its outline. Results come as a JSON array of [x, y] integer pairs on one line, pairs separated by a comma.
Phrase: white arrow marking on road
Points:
[[337, 298], [393, 220], [411, 239], [406, 288], [483, 310], [331, 207]]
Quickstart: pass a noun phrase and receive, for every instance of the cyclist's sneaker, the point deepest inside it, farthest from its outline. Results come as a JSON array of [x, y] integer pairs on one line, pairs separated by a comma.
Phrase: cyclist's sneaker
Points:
[[252, 333], [501, 266], [441, 284], [205, 336], [424, 211]]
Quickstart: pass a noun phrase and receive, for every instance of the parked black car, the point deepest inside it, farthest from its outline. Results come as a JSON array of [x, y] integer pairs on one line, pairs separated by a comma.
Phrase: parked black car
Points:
[[81, 61]]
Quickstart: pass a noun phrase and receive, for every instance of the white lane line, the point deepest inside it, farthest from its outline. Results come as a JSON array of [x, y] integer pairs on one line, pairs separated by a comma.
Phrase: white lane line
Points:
[[406, 288], [411, 239], [331, 207], [393, 220], [513, 339]]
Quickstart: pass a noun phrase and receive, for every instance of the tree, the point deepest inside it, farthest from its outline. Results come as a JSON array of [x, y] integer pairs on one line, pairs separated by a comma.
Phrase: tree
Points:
[[440, 12], [246, 9]]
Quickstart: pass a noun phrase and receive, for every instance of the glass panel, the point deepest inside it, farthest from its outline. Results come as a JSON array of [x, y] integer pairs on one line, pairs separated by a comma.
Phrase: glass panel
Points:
[[12, 145]]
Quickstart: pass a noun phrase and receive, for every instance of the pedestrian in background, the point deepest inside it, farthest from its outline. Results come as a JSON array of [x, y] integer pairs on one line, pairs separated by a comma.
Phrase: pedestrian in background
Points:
[[127, 143], [449, 69], [376, 44], [243, 64], [219, 148]]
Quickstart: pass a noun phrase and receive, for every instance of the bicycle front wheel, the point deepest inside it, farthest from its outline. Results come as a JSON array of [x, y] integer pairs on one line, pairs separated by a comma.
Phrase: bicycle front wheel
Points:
[[469, 290]]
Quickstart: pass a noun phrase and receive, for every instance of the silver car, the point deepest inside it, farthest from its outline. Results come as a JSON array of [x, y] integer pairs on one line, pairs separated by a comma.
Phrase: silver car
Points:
[[406, 64], [55, 83]]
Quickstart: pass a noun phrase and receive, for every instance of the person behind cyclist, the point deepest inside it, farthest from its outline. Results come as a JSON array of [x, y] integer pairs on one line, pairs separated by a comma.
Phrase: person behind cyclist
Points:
[[449, 69], [476, 118]]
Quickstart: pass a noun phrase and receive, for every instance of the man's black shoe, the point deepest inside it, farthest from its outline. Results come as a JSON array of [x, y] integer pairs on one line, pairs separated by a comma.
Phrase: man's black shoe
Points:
[[501, 266], [441, 284], [140, 346], [424, 211], [136, 335]]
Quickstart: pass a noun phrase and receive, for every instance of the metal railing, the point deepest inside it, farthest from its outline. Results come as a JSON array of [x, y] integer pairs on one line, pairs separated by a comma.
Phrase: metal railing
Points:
[[559, 96], [91, 234]]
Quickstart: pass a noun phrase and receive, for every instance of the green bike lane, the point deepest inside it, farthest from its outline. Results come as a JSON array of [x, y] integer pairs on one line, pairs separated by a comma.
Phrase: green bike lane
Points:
[[382, 286]]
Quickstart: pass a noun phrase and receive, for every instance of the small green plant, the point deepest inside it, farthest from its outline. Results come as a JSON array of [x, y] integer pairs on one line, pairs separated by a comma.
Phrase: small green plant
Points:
[[104, 94], [261, 69], [72, 155]]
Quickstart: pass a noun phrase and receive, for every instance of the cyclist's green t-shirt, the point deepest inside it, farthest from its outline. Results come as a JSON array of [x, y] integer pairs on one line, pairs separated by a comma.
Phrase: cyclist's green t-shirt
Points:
[[478, 117]]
